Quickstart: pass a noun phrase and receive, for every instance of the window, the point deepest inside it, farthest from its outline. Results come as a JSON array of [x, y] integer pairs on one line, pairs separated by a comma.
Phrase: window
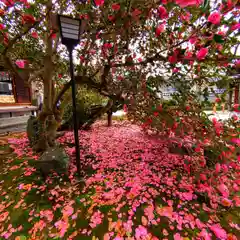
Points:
[[5, 83]]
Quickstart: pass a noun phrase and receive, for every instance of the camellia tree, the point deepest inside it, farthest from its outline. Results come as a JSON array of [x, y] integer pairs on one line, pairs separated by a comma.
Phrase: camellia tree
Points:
[[128, 51]]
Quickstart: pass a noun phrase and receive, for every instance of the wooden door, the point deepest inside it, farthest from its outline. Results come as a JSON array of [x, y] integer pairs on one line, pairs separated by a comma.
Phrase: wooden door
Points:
[[22, 91]]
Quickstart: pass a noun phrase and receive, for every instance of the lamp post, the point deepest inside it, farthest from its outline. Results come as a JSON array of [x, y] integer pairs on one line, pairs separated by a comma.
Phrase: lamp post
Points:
[[70, 30]]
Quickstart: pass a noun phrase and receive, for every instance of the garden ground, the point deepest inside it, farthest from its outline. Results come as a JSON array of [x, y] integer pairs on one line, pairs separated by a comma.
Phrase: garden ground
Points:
[[133, 189]]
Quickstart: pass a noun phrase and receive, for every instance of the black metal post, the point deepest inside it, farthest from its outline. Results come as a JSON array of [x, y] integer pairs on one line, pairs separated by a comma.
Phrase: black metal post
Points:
[[70, 50]]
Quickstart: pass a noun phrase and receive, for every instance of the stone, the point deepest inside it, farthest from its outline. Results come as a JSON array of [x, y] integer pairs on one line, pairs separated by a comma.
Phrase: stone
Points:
[[32, 130], [53, 160]]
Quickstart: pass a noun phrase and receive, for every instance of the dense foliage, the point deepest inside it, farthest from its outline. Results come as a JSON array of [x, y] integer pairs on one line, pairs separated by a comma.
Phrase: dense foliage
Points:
[[86, 101]]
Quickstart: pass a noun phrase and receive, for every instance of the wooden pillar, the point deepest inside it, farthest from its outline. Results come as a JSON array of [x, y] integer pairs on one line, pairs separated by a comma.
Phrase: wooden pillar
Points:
[[236, 94], [230, 95]]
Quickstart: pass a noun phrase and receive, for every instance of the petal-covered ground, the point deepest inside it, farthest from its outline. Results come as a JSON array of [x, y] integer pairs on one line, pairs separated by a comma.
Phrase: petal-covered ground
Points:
[[133, 189]]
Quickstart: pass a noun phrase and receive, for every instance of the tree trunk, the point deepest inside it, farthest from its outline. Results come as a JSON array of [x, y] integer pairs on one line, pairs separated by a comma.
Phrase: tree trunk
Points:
[[47, 122], [98, 114], [41, 143], [110, 118]]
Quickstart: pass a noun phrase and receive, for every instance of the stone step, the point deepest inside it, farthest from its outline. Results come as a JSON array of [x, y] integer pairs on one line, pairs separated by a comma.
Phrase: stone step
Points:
[[13, 121]]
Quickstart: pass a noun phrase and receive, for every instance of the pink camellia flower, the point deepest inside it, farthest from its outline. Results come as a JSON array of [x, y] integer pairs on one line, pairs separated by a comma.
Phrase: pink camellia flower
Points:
[[226, 202], [20, 63], [214, 18], [67, 211], [217, 168], [186, 3], [218, 231], [162, 12], [202, 53], [160, 29], [205, 235], [185, 17], [237, 63], [141, 232], [199, 224], [236, 107], [115, 6], [236, 141], [99, 2], [223, 189], [237, 201], [235, 26], [177, 236], [125, 108], [193, 40]]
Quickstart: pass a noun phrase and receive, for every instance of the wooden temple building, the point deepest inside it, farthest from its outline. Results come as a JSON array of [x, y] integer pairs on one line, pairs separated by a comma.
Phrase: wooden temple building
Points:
[[15, 94]]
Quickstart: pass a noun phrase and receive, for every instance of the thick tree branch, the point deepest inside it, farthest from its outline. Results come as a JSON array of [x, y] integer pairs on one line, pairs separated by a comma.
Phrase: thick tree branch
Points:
[[6, 59], [156, 57], [81, 80]]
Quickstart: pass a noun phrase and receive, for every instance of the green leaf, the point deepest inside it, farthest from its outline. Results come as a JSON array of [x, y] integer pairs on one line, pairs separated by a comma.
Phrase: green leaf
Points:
[[22, 237], [218, 38], [206, 4]]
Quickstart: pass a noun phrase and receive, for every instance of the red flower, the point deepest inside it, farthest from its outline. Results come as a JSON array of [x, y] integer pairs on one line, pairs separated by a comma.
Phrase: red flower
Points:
[[107, 45], [111, 18], [188, 108], [234, 117], [162, 12], [84, 16], [188, 55], [235, 26], [120, 78], [81, 58], [34, 34], [20, 63], [1, 27], [53, 35], [115, 6], [185, 17], [236, 108], [8, 3], [217, 100], [136, 12], [156, 114], [160, 29], [172, 59], [28, 18], [186, 3], [193, 40], [214, 18], [125, 108], [99, 2], [202, 53]]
